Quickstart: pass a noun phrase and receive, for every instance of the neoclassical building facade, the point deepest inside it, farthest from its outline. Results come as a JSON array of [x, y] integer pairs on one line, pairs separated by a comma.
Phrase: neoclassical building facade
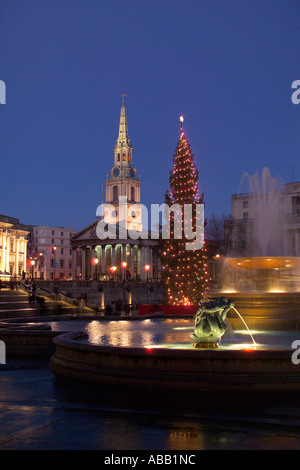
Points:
[[13, 247], [115, 246]]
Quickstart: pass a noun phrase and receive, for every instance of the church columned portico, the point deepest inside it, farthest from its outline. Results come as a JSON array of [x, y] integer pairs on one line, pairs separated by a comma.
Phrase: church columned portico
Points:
[[119, 260]]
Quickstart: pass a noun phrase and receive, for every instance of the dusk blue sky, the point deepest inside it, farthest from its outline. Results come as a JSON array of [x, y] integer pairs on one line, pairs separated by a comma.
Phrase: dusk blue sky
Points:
[[227, 66]]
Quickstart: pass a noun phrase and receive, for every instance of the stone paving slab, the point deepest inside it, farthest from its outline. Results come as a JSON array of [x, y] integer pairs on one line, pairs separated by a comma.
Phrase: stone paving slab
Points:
[[38, 413]]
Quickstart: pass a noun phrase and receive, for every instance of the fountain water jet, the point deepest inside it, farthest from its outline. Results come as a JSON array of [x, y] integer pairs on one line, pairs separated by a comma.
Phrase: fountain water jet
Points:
[[246, 326], [266, 264]]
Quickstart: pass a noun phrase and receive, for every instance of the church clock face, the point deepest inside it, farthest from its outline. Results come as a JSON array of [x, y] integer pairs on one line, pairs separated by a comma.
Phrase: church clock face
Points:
[[116, 172]]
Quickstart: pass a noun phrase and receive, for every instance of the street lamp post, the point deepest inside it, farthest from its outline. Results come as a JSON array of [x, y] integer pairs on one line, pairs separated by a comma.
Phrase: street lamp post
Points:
[[95, 262], [124, 266], [113, 270], [32, 262], [53, 251], [147, 269]]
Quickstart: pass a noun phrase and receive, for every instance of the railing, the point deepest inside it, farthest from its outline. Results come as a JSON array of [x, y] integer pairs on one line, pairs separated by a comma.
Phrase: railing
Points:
[[58, 296]]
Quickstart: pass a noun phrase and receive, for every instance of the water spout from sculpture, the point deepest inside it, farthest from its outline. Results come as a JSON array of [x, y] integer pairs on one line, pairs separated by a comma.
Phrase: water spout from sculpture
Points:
[[246, 326]]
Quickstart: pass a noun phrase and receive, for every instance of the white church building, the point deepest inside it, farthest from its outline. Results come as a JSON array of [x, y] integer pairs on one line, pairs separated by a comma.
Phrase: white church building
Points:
[[124, 251]]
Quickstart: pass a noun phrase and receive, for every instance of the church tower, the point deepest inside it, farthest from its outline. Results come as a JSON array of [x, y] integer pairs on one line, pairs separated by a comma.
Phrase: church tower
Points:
[[122, 183]]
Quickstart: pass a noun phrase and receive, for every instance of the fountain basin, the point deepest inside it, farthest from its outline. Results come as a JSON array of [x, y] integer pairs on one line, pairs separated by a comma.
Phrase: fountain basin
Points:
[[175, 369], [169, 362]]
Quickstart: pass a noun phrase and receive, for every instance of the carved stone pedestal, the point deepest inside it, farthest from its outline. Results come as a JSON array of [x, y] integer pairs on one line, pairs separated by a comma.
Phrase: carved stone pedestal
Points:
[[204, 345]]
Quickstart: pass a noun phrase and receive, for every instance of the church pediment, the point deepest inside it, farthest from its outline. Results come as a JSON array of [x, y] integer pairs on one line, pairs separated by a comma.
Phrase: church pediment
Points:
[[87, 233]]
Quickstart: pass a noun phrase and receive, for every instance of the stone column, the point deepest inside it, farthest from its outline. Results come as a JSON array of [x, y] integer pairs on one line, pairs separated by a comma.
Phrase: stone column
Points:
[[93, 255], [132, 260], [145, 260], [102, 259], [17, 257], [83, 264], [151, 261], [7, 253], [3, 252], [140, 261], [74, 263], [113, 255]]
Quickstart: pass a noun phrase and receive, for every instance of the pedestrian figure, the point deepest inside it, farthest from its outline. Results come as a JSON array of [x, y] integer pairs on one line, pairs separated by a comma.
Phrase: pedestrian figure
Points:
[[119, 306], [108, 309]]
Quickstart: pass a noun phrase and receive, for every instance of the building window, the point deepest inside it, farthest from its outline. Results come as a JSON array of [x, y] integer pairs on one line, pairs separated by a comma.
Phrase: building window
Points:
[[129, 157], [61, 251], [62, 263], [115, 193], [124, 157], [61, 242], [245, 204], [132, 193], [245, 216], [119, 157], [52, 232], [61, 234], [52, 241]]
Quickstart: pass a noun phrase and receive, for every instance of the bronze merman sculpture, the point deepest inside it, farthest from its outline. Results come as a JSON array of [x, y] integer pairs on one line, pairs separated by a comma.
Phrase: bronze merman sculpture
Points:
[[210, 322]]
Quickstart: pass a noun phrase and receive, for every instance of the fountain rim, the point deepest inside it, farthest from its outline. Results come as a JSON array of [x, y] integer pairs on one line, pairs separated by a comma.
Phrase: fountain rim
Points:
[[70, 339], [263, 262]]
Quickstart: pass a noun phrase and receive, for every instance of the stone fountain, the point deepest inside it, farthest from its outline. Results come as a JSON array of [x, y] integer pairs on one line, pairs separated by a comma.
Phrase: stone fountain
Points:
[[265, 279]]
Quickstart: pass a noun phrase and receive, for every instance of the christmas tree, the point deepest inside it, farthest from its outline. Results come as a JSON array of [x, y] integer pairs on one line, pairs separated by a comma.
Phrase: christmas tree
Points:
[[184, 270]]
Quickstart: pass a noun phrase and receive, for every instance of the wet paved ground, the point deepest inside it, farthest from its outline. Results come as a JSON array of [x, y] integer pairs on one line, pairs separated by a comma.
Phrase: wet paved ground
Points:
[[38, 412]]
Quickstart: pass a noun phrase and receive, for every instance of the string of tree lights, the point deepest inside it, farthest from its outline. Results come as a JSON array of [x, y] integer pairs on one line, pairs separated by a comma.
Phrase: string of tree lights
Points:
[[184, 271]]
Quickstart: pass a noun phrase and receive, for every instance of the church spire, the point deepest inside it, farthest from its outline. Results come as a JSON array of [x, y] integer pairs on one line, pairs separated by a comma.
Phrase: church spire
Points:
[[123, 149], [123, 129]]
